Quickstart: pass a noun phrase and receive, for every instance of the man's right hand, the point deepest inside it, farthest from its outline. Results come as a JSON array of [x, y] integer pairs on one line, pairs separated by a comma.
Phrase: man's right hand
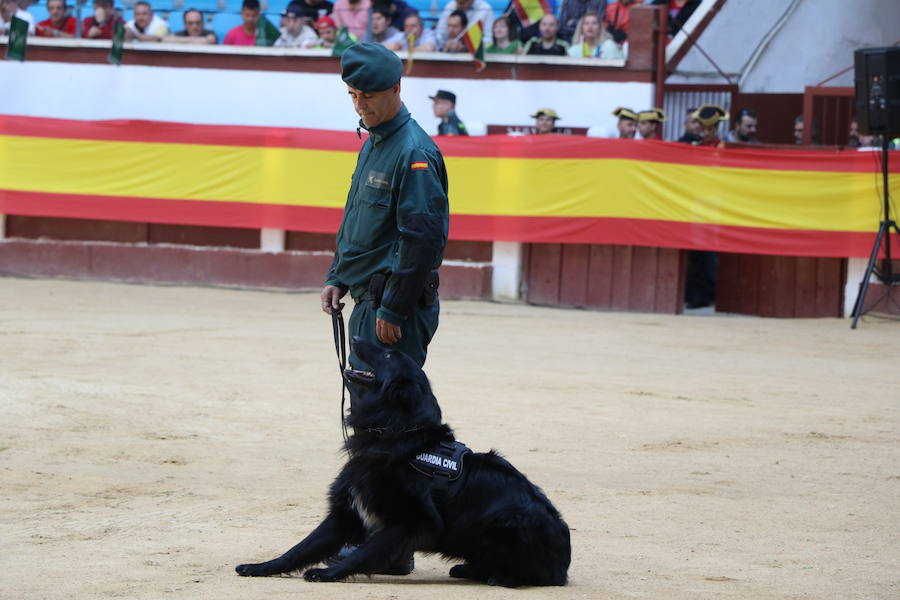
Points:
[[331, 296]]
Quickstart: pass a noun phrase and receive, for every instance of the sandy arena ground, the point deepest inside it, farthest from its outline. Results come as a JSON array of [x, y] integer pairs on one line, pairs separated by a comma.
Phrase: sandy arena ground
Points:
[[151, 438]]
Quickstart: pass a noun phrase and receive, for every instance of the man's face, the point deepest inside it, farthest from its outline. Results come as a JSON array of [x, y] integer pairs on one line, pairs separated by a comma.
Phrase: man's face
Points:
[[379, 23], [326, 33], [854, 131], [549, 27], [57, 10], [544, 124], [412, 26], [193, 23], [143, 14], [454, 27], [710, 132], [374, 108], [293, 24], [627, 129], [746, 129], [101, 12], [8, 9], [464, 5], [442, 107], [250, 17], [693, 126], [798, 132], [647, 129]]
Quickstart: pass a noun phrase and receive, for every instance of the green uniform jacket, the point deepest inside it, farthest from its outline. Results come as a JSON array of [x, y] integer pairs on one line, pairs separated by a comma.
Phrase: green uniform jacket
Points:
[[451, 125], [396, 217]]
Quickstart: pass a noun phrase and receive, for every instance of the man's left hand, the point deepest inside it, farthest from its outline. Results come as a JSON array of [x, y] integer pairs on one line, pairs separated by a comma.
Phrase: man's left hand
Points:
[[387, 333]]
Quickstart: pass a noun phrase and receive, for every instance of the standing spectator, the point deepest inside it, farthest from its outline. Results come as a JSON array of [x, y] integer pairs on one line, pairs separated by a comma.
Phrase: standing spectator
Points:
[[444, 106], [352, 14], [295, 33], [798, 129], [709, 116], [245, 33], [58, 25], [475, 10], [693, 130], [193, 32], [587, 37], [572, 12], [456, 25], [504, 40], [744, 128], [398, 11], [423, 39], [549, 43], [853, 135], [145, 26], [648, 123], [545, 120], [382, 31], [102, 25], [679, 12], [310, 10], [627, 123]]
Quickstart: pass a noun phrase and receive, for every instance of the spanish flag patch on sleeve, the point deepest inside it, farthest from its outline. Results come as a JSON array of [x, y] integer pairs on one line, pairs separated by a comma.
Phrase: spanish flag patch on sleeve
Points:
[[418, 165]]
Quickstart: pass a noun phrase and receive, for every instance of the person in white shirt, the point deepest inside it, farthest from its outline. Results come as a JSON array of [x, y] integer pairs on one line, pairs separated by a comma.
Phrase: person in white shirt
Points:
[[382, 31], [145, 26], [476, 10], [10, 9], [295, 33]]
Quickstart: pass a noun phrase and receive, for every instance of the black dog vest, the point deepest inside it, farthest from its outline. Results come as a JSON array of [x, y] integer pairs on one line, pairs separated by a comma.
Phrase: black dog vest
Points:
[[444, 465]]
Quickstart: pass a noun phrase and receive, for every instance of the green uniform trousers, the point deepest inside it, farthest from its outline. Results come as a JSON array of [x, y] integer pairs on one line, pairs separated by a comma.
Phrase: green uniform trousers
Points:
[[417, 330]]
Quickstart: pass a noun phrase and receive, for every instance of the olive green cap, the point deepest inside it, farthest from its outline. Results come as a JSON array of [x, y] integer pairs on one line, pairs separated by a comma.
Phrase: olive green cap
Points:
[[370, 67]]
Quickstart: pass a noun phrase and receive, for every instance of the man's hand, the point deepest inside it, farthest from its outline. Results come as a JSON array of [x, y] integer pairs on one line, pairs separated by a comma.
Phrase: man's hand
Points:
[[387, 333], [331, 296]]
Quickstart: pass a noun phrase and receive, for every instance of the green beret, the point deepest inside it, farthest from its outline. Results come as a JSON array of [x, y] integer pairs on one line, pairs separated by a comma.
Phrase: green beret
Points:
[[370, 67]]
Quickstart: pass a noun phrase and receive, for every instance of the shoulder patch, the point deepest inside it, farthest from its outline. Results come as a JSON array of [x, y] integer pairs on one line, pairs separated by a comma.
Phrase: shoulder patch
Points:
[[418, 165]]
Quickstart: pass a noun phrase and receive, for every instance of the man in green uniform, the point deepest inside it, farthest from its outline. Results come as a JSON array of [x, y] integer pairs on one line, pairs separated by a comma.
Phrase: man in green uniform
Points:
[[445, 110], [391, 241]]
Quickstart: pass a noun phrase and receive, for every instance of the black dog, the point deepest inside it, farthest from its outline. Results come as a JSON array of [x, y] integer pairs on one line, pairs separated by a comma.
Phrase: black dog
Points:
[[471, 506]]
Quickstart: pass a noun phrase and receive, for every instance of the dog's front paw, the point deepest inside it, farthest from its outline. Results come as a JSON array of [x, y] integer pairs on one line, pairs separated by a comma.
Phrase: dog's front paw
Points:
[[257, 570], [320, 575]]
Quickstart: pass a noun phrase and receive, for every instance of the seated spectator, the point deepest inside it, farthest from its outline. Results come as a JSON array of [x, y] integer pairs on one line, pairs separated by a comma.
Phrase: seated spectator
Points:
[[545, 120], [58, 25], [504, 40], [618, 16], [245, 33], [548, 44], [193, 32], [693, 130], [102, 25], [798, 129], [382, 32], [352, 14], [310, 10], [295, 33], [327, 33], [475, 10], [398, 12], [649, 123], [456, 26], [444, 107], [571, 13], [12, 8], [615, 44], [424, 40], [744, 128], [853, 135], [587, 37], [679, 12], [709, 116], [145, 26], [627, 123]]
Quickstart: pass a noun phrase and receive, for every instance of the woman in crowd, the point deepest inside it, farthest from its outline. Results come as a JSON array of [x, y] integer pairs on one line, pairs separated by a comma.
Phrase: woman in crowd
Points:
[[502, 42], [588, 36]]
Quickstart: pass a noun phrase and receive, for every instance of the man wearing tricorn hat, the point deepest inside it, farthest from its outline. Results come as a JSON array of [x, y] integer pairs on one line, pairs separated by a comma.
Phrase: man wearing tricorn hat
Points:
[[545, 120], [627, 124], [709, 116], [648, 123], [445, 109], [392, 237]]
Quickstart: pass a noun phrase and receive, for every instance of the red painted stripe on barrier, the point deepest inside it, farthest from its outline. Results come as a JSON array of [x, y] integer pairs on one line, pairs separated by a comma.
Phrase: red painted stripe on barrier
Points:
[[493, 146], [574, 230]]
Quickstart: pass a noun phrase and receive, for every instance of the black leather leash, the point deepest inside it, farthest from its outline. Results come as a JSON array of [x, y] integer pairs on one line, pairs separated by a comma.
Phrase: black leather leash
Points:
[[340, 347]]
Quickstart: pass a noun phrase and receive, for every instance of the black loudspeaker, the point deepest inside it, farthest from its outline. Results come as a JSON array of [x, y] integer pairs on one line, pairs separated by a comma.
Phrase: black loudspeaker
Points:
[[877, 80]]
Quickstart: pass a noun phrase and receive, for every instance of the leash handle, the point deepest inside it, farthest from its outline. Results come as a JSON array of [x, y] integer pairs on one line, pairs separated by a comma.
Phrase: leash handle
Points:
[[340, 348]]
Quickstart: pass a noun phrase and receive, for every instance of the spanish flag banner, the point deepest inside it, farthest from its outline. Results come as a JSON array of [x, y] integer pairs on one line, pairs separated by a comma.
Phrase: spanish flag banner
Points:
[[531, 11], [474, 41], [541, 188]]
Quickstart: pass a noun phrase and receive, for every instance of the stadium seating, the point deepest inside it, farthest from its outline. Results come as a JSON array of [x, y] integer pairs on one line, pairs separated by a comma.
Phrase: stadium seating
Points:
[[222, 23], [39, 12]]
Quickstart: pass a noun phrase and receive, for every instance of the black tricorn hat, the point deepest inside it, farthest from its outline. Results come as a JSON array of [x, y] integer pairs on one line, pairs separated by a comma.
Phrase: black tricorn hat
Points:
[[710, 114], [444, 95], [625, 113]]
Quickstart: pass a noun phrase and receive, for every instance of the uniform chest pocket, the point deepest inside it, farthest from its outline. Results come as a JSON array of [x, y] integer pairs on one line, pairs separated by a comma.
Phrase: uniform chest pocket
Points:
[[376, 190], [374, 219]]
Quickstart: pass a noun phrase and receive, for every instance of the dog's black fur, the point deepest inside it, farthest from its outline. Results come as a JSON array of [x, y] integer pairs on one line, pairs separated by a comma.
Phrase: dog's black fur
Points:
[[498, 523]]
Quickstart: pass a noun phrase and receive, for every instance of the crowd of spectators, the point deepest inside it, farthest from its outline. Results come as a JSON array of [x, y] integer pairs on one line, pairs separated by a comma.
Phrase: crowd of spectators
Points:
[[580, 28]]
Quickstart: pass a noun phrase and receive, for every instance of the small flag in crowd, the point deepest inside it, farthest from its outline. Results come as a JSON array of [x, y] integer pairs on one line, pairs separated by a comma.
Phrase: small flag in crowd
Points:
[[344, 40], [411, 45], [531, 11], [115, 51], [474, 41], [18, 36], [266, 33]]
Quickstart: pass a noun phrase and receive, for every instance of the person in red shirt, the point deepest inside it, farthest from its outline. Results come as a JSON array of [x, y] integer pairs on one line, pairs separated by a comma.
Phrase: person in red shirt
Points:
[[618, 15], [58, 25], [102, 25], [245, 34]]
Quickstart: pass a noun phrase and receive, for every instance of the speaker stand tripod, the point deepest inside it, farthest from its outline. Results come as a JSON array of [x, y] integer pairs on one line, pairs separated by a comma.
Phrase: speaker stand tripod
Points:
[[886, 272]]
